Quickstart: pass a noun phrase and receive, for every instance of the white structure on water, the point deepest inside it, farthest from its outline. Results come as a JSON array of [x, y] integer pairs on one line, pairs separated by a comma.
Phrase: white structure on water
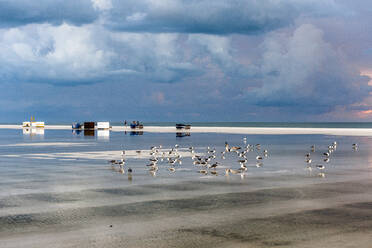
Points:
[[39, 124], [103, 125]]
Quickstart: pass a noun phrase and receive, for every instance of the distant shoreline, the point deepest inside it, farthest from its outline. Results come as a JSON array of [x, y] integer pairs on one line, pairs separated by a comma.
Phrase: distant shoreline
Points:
[[229, 130]]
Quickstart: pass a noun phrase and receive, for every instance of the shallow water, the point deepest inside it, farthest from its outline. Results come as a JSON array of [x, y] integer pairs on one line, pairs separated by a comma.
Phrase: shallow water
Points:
[[64, 191]]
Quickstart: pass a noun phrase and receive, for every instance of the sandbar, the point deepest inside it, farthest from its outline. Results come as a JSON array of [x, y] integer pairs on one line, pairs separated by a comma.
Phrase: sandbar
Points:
[[229, 130]]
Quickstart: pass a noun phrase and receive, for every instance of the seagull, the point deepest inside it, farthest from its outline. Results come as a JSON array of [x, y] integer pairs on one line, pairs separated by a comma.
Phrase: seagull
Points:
[[243, 161], [313, 148], [214, 165], [121, 162], [235, 148], [227, 147], [258, 158], [320, 166], [212, 151]]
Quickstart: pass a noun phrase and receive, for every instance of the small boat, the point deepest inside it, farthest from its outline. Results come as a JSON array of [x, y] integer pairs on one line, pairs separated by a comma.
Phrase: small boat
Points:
[[136, 125], [182, 126]]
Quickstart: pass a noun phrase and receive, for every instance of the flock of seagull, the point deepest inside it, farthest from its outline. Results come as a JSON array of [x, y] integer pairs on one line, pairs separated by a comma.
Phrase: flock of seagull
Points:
[[206, 162], [326, 158]]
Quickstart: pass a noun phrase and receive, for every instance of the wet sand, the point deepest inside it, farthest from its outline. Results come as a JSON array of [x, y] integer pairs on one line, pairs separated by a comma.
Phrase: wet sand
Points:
[[195, 214]]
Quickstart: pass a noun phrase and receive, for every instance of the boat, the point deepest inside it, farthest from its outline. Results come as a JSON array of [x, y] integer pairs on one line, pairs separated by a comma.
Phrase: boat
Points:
[[77, 125], [183, 126], [136, 125]]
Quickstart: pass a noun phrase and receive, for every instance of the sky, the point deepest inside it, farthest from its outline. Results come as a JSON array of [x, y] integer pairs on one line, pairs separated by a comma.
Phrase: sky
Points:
[[186, 60]]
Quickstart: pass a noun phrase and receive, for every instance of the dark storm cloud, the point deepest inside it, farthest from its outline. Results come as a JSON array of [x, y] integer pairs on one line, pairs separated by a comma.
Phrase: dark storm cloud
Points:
[[178, 16], [212, 17], [22, 12]]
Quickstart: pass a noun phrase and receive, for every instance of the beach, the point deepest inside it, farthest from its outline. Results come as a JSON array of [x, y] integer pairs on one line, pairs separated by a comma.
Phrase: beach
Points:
[[59, 190], [186, 124]]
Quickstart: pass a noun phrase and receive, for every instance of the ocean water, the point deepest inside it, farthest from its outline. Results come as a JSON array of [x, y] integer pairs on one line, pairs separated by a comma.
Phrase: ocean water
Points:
[[270, 124], [60, 183], [286, 155], [241, 124]]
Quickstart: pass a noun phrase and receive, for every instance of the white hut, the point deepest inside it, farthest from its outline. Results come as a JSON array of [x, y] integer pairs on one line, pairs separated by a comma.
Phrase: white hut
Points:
[[39, 124], [103, 125]]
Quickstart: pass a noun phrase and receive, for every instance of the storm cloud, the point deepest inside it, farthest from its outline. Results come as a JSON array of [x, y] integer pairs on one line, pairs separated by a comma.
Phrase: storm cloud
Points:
[[303, 70], [190, 60], [211, 17], [22, 12]]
